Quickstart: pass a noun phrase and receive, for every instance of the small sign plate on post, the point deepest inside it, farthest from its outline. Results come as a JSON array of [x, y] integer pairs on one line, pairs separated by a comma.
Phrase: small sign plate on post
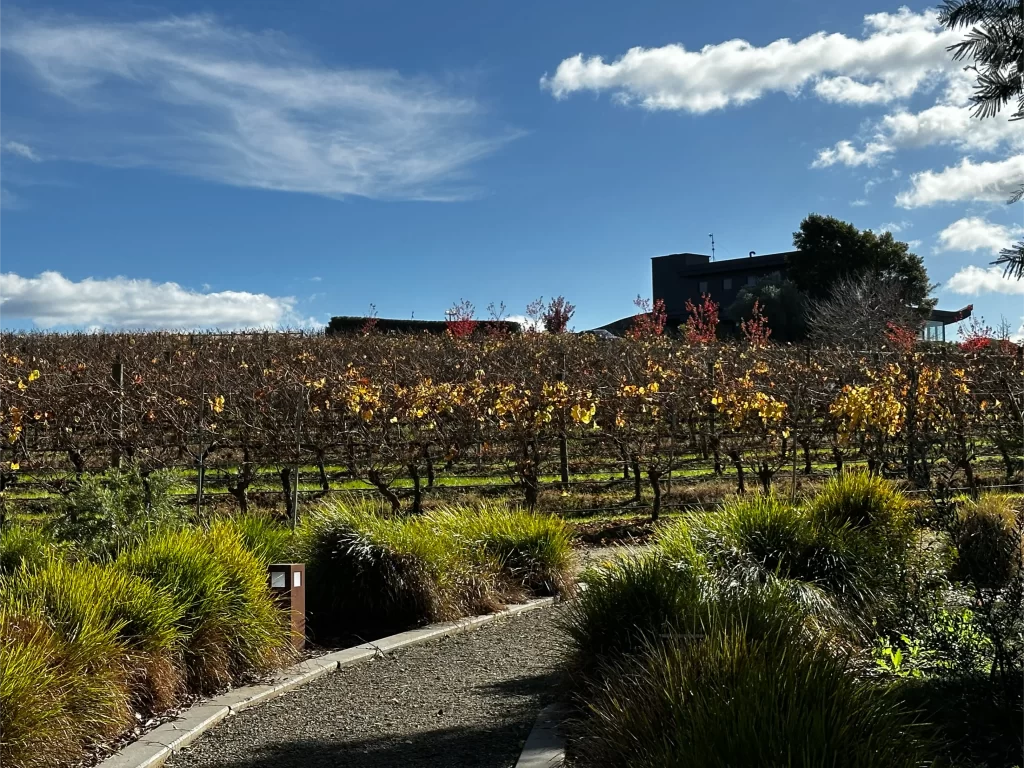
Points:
[[288, 586]]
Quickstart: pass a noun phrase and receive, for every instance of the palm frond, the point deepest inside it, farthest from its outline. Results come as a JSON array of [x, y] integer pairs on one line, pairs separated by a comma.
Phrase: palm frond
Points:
[[1012, 260]]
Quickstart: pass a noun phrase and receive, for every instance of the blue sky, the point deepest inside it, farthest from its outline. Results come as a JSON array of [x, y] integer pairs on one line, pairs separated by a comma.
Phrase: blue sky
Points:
[[181, 164]]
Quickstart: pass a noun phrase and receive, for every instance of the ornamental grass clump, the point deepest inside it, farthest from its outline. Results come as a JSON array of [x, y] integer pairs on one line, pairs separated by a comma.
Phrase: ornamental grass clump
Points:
[[622, 605], [92, 655], [531, 552], [23, 546], [988, 541], [267, 537], [764, 540], [731, 698], [84, 603], [230, 627], [371, 575], [37, 724], [875, 509]]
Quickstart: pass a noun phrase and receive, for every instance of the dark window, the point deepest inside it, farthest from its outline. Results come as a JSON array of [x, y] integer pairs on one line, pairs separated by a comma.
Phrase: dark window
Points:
[[726, 283], [703, 287], [751, 280]]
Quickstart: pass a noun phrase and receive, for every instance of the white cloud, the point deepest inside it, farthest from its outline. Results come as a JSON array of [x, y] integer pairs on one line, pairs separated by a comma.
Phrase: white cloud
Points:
[[192, 96], [898, 54], [968, 181], [941, 124], [22, 150], [895, 227], [974, 280], [858, 203], [845, 153], [975, 233], [52, 300]]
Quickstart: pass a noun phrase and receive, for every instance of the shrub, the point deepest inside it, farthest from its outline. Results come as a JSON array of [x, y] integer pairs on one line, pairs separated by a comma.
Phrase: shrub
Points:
[[230, 626], [259, 632], [623, 605], [87, 650], [642, 598], [107, 513], [531, 551], [988, 542], [270, 540], [22, 546], [36, 726], [80, 600], [871, 506], [762, 539], [732, 699], [370, 575]]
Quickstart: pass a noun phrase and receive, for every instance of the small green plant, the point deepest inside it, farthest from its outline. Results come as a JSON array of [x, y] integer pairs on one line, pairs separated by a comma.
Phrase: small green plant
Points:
[[107, 513], [903, 659]]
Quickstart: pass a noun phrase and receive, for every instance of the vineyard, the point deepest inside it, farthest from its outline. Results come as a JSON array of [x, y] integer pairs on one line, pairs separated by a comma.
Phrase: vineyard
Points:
[[398, 415]]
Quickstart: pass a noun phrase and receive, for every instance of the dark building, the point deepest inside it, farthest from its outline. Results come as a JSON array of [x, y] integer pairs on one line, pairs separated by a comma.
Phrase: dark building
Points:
[[681, 277]]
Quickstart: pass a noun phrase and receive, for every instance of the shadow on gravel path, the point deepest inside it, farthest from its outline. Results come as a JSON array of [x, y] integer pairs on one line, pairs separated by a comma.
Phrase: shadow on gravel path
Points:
[[465, 700], [443, 747]]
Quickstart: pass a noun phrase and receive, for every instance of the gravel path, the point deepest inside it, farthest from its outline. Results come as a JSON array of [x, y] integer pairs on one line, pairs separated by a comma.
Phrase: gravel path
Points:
[[464, 700]]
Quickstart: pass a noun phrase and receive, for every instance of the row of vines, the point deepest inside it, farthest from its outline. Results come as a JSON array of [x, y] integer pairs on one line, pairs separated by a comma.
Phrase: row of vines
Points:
[[414, 407]]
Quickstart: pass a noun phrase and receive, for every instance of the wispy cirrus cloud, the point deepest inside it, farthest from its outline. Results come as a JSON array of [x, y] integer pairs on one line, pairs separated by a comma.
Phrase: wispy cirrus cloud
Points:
[[898, 54], [50, 300], [21, 150], [192, 96]]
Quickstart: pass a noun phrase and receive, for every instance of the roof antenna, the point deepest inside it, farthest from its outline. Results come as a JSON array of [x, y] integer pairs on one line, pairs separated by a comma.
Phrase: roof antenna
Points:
[[750, 255], [712, 236]]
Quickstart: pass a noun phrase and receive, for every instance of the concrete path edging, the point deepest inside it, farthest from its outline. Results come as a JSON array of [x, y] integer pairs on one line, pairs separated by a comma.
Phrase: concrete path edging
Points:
[[154, 747], [545, 747]]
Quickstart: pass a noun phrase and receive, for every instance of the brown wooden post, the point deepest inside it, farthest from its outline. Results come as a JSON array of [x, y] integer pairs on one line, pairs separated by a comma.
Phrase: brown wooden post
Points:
[[287, 582]]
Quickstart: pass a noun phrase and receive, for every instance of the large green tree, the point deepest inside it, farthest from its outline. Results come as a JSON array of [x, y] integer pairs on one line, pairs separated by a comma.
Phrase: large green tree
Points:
[[995, 47], [829, 250]]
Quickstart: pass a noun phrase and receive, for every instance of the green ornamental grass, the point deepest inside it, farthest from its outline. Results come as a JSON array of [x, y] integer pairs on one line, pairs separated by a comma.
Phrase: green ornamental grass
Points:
[[37, 726], [267, 537], [229, 624], [23, 546], [370, 575], [732, 699], [988, 541], [531, 551]]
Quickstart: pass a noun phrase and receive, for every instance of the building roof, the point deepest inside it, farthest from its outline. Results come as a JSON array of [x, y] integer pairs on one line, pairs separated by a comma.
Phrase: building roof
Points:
[[949, 316], [693, 264]]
